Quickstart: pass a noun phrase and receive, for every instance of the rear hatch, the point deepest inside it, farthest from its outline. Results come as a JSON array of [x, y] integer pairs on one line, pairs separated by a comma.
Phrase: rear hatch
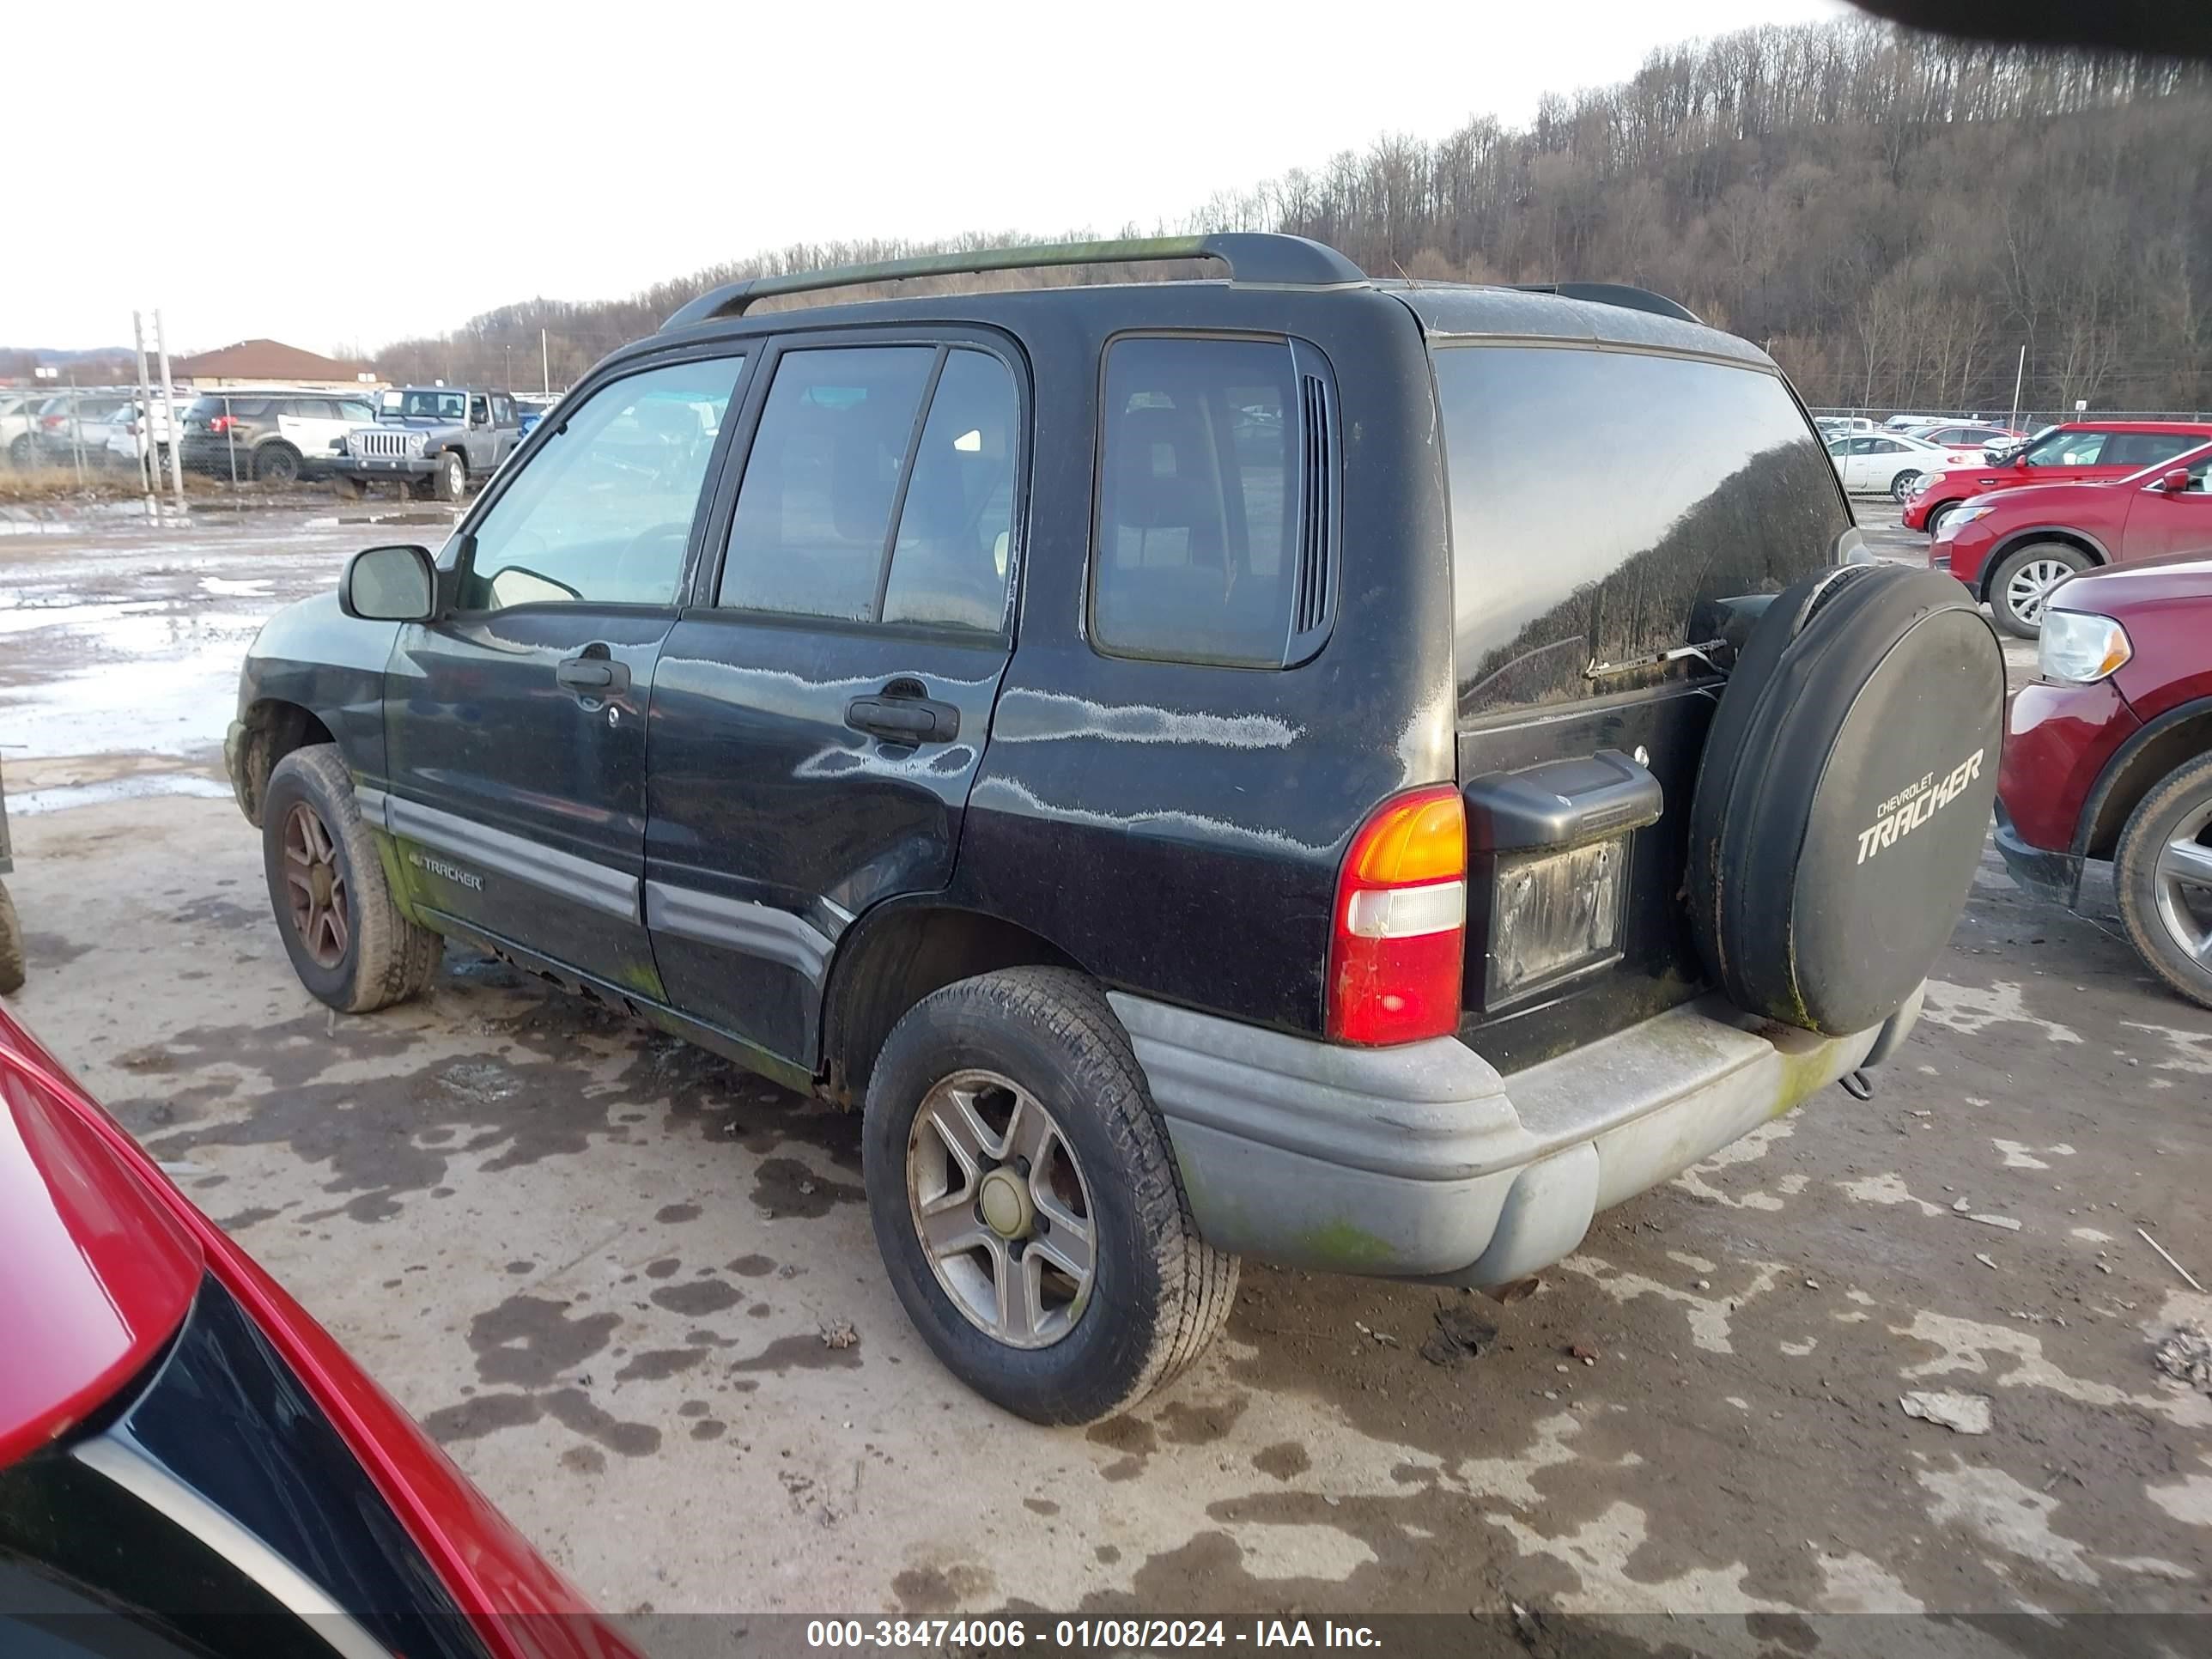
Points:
[[1624, 489]]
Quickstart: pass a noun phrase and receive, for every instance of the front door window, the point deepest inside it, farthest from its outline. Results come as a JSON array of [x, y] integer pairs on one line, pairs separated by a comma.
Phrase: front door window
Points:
[[603, 513]]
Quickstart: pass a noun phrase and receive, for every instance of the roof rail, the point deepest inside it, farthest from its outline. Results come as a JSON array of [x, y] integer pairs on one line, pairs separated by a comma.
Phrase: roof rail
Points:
[[1616, 294], [1256, 257]]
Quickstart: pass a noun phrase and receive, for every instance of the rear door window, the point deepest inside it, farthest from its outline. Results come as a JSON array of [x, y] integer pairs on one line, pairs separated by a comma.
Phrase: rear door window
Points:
[[2146, 449], [1599, 497], [1215, 490], [822, 482], [880, 487]]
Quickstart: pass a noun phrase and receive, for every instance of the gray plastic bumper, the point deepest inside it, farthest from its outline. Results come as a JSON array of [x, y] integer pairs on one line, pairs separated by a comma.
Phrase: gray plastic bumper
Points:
[[1421, 1161]]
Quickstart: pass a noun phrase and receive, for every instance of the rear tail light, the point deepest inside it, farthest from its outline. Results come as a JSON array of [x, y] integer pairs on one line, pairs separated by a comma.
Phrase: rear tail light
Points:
[[1400, 922], [222, 422]]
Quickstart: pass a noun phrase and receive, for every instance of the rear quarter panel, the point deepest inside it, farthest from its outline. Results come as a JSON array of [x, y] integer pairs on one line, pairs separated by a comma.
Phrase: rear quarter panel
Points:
[[1177, 829]]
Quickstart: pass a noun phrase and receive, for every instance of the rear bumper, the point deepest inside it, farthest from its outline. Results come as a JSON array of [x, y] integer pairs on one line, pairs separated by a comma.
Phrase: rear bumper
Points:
[[1421, 1161]]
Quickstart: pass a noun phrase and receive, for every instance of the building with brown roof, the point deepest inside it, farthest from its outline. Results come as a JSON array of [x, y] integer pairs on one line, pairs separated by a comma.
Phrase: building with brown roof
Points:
[[269, 362]]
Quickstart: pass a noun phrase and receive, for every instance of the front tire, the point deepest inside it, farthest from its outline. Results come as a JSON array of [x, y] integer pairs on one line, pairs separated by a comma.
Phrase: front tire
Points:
[[1027, 1203], [350, 944], [2162, 877], [1937, 514], [452, 476], [2021, 584]]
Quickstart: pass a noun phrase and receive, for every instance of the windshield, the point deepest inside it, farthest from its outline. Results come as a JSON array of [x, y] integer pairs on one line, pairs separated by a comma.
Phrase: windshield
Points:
[[440, 404]]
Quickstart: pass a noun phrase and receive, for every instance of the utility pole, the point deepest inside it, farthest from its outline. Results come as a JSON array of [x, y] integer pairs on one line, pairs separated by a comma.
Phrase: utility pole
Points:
[[168, 414], [545, 361], [149, 469], [77, 432], [2020, 377]]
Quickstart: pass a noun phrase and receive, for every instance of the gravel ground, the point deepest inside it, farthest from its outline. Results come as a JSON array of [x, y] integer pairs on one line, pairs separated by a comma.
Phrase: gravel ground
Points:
[[600, 1266]]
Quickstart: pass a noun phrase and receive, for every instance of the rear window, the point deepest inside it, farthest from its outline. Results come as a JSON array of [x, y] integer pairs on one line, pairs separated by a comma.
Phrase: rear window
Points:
[[1598, 497], [1214, 499]]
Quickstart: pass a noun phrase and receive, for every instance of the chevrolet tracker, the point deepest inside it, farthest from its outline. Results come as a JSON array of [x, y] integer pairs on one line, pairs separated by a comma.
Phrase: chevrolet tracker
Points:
[[1173, 755]]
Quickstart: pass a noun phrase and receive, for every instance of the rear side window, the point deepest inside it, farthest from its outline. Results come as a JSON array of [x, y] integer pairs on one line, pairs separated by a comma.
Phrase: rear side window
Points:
[[2146, 449], [1216, 502], [1599, 497]]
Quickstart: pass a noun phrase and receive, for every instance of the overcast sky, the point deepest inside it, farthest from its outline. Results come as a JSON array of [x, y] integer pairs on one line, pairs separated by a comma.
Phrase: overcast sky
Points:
[[350, 172]]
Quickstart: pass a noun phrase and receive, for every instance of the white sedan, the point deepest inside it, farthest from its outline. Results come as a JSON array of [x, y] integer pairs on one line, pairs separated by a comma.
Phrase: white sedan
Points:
[[1886, 463]]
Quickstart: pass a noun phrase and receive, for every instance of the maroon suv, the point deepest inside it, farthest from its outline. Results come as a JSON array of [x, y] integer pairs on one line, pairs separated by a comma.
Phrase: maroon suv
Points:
[[2014, 547], [2109, 756]]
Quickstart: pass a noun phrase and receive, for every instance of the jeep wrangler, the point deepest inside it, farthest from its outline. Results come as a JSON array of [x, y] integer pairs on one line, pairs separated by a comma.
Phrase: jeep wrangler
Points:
[[1360, 775], [430, 441]]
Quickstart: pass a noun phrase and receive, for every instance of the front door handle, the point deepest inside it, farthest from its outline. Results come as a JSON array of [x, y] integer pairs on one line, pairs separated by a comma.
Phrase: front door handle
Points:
[[904, 719], [592, 672]]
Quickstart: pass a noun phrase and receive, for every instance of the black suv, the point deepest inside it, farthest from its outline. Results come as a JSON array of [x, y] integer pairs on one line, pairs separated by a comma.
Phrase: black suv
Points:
[[1361, 774], [269, 436]]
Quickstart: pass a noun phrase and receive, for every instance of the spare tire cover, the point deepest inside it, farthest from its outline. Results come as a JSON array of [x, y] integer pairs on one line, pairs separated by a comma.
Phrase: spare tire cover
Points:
[[1845, 794]]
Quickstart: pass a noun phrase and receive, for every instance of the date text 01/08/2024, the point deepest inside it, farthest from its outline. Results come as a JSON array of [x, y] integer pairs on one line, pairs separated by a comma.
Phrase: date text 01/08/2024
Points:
[[1110, 1635]]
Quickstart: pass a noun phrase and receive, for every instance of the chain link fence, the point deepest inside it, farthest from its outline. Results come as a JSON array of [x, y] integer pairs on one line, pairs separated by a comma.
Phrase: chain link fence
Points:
[[2029, 420]]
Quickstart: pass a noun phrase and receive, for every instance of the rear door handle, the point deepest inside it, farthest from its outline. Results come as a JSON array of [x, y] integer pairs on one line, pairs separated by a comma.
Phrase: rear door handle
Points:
[[591, 674], [904, 720]]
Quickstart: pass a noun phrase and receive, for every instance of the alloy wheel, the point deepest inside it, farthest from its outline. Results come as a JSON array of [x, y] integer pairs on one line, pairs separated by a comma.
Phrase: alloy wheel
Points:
[[2184, 880], [315, 884], [1001, 1208], [2029, 587]]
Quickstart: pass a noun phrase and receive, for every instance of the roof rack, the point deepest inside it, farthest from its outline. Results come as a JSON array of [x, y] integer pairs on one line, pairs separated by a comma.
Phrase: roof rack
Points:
[[1616, 294], [1253, 257]]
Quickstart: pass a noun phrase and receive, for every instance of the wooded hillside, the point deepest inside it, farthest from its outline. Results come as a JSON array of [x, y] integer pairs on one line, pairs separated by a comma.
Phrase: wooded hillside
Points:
[[1892, 215]]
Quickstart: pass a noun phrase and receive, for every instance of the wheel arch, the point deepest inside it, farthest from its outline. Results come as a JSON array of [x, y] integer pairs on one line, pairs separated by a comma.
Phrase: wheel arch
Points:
[[896, 954], [2162, 747], [2067, 534], [273, 727]]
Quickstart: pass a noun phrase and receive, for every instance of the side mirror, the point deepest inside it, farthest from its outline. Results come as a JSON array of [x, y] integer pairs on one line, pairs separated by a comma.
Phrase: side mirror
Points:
[[2173, 482], [389, 584]]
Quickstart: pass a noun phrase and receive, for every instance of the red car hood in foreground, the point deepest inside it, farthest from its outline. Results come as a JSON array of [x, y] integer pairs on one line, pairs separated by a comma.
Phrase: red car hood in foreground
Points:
[[102, 1257], [100, 1271]]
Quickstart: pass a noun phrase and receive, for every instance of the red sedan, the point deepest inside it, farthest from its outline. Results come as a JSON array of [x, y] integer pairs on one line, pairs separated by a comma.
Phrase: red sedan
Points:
[[2109, 756], [2079, 451], [2014, 547], [189, 1464]]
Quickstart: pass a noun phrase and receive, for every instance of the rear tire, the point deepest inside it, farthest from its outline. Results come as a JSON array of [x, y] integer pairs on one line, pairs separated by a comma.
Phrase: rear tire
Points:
[[321, 858], [2021, 584], [1009, 1042], [2164, 887], [1900, 487], [276, 464], [18, 452]]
